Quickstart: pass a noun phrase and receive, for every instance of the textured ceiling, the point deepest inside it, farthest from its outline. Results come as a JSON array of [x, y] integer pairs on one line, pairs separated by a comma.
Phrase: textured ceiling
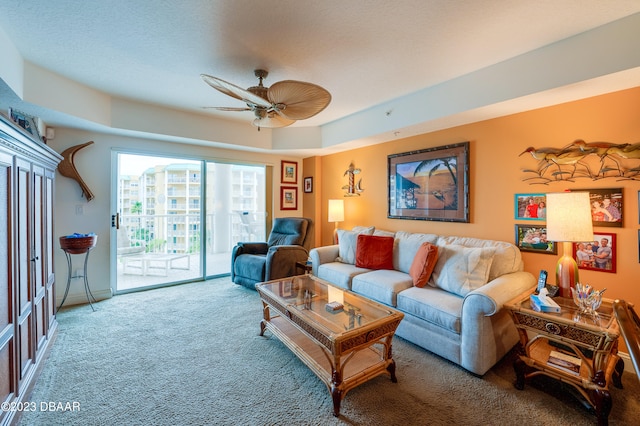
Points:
[[364, 52]]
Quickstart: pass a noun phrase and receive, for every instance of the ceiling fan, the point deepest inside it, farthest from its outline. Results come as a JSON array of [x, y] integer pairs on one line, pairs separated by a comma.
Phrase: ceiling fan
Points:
[[280, 105]]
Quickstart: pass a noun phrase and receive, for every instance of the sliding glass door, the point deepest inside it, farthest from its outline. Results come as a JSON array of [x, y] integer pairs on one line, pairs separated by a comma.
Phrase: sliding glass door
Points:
[[176, 220], [236, 211]]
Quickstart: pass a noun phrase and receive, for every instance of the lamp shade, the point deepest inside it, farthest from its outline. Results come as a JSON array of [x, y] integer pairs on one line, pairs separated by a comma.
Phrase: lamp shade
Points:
[[568, 220], [336, 210], [569, 217]]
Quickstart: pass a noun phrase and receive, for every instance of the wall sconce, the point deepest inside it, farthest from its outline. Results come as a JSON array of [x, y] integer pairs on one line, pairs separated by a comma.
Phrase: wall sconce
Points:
[[568, 220], [336, 214]]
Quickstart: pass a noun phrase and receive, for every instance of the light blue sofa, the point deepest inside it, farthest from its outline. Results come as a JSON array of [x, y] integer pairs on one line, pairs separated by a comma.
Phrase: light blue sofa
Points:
[[472, 330]]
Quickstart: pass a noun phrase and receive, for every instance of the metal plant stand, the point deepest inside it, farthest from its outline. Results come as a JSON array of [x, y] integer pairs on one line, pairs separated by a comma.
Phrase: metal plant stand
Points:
[[78, 246]]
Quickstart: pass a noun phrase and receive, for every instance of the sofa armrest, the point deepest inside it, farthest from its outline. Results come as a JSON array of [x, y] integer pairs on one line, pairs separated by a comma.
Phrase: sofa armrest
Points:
[[320, 255], [490, 298], [487, 331], [281, 261]]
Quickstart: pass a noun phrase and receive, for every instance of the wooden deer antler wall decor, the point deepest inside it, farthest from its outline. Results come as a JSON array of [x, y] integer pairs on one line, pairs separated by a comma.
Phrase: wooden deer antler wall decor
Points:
[[68, 169]]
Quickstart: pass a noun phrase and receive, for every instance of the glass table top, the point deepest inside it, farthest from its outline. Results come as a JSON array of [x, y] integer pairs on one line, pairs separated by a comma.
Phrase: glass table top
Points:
[[569, 312], [308, 296]]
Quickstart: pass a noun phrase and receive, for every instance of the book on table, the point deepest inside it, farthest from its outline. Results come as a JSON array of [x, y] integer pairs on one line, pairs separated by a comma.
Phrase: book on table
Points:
[[565, 361]]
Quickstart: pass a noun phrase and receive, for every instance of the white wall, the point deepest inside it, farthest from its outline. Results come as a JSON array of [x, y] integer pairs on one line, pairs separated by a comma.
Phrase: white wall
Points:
[[94, 166]]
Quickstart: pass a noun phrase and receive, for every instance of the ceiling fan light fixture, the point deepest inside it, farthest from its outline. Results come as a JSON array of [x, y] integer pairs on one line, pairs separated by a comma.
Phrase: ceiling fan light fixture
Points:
[[272, 120]]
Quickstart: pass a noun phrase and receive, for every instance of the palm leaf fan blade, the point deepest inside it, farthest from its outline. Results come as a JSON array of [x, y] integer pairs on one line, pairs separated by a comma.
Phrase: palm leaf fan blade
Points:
[[301, 100], [235, 91], [234, 109]]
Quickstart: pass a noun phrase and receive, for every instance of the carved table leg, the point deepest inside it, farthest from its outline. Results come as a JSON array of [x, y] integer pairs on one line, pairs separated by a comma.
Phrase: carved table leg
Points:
[[391, 368], [520, 368], [336, 392], [267, 316], [617, 374], [602, 402]]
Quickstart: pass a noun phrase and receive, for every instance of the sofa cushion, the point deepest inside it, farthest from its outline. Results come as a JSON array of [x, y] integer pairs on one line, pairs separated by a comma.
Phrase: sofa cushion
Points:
[[506, 260], [347, 242], [340, 274], [434, 305], [374, 252], [423, 264], [460, 269], [407, 245], [382, 286]]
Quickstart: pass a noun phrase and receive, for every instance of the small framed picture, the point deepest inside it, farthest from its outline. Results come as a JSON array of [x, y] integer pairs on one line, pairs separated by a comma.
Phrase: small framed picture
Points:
[[534, 239], [288, 198], [598, 254], [530, 206], [289, 172], [308, 184], [606, 206]]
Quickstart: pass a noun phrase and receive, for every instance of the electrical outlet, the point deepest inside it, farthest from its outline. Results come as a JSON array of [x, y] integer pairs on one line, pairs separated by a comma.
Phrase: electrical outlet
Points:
[[79, 210]]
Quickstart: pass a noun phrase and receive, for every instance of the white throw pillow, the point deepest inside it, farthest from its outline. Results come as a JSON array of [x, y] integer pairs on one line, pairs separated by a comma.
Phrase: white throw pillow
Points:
[[347, 243], [460, 269], [367, 230]]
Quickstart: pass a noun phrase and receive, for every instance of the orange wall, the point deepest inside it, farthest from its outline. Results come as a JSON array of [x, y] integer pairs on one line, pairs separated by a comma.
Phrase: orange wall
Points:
[[495, 176], [311, 201]]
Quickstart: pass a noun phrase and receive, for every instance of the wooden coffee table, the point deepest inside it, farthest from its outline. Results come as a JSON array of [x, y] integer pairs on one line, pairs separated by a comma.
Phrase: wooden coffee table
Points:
[[343, 348]]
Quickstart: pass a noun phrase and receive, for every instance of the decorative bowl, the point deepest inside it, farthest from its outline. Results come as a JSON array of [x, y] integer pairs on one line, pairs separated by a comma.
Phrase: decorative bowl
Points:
[[78, 245], [587, 299]]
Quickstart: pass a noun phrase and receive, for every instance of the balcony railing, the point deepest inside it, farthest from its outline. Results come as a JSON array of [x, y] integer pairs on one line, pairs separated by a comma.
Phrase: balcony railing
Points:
[[181, 233]]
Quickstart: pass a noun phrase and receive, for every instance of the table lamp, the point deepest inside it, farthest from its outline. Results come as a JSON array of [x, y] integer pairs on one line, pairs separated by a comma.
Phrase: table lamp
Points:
[[568, 221], [336, 214]]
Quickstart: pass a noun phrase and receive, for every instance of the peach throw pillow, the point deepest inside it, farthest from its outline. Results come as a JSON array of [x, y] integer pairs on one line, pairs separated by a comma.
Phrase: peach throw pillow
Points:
[[423, 264]]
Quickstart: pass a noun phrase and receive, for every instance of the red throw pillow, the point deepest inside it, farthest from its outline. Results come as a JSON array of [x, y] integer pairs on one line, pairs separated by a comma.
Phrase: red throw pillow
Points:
[[423, 264], [374, 252]]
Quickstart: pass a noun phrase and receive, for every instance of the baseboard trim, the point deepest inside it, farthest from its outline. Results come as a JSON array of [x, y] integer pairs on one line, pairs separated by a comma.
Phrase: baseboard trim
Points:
[[81, 298], [628, 365]]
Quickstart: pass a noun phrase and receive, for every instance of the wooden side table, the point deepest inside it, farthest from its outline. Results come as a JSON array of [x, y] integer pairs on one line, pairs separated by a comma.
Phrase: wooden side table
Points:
[[593, 340]]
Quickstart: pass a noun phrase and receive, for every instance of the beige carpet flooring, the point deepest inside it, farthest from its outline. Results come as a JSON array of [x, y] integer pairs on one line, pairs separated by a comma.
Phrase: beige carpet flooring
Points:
[[192, 355]]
